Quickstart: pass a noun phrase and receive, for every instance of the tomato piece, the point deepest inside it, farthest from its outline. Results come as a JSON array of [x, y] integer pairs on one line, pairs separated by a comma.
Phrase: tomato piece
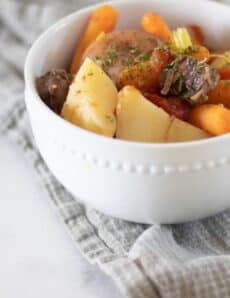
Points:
[[225, 73], [161, 58], [172, 105]]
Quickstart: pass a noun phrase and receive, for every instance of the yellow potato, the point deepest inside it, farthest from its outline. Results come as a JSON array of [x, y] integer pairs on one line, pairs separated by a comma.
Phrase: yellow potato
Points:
[[181, 131], [92, 100], [138, 119]]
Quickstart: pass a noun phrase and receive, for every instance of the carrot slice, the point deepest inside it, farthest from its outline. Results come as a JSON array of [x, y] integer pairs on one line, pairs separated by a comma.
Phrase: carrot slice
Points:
[[103, 19], [141, 76], [153, 23], [202, 53], [145, 75], [220, 94], [214, 119]]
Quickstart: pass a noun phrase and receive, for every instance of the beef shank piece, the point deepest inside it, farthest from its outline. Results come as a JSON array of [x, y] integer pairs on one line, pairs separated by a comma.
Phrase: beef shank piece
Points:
[[188, 78], [121, 48]]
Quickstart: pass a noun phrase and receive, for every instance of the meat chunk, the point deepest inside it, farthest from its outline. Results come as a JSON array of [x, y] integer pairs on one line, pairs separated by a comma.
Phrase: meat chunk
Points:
[[53, 87], [121, 48], [189, 79]]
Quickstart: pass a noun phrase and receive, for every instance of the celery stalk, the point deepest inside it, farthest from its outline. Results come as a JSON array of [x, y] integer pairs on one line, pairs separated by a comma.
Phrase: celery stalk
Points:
[[180, 40]]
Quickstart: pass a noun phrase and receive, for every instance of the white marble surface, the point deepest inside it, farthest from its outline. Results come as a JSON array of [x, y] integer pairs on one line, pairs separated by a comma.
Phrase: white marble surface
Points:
[[37, 257]]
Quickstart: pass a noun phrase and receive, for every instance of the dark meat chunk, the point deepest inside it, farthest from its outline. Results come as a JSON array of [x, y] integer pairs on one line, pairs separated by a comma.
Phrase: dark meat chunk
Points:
[[53, 87], [120, 49], [189, 79]]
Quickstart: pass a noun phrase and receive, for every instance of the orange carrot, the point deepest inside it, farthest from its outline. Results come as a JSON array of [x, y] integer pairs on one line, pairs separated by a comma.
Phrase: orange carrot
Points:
[[145, 75], [140, 76], [202, 53], [214, 119], [153, 23], [103, 19], [197, 34], [220, 94]]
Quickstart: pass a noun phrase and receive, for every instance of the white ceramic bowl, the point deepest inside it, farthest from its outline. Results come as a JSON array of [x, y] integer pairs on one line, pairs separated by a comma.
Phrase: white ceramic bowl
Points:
[[141, 182]]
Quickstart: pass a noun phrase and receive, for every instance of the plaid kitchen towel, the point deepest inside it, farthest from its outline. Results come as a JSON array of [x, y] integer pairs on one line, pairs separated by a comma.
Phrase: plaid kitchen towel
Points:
[[187, 260]]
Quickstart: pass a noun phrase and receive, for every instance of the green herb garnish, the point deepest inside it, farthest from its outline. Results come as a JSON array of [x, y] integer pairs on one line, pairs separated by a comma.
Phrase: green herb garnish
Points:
[[131, 56], [112, 52], [192, 50], [109, 59], [110, 118], [162, 47], [70, 77], [143, 57], [90, 73]]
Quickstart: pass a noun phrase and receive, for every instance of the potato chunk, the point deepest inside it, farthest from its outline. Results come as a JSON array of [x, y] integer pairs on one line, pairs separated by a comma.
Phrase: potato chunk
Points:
[[91, 100], [138, 119], [181, 131]]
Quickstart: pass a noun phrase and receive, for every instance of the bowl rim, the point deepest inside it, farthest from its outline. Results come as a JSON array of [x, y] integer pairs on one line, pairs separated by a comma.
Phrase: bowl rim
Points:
[[30, 85]]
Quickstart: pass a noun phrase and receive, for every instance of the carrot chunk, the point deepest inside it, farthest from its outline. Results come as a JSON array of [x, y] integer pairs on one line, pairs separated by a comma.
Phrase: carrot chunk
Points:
[[103, 19], [145, 75], [153, 23], [214, 119], [220, 94], [202, 53]]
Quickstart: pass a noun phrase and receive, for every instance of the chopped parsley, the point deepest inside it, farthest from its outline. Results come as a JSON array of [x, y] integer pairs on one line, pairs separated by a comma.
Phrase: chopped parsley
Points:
[[70, 77], [140, 67], [143, 57], [109, 117], [192, 49], [109, 59], [162, 47], [90, 73], [112, 52], [101, 62], [133, 56], [130, 56]]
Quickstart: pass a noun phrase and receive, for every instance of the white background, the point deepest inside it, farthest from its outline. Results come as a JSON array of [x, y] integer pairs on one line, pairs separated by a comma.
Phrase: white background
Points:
[[37, 257]]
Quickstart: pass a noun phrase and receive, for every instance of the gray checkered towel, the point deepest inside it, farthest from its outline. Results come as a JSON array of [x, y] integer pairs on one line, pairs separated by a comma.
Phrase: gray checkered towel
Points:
[[189, 260]]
